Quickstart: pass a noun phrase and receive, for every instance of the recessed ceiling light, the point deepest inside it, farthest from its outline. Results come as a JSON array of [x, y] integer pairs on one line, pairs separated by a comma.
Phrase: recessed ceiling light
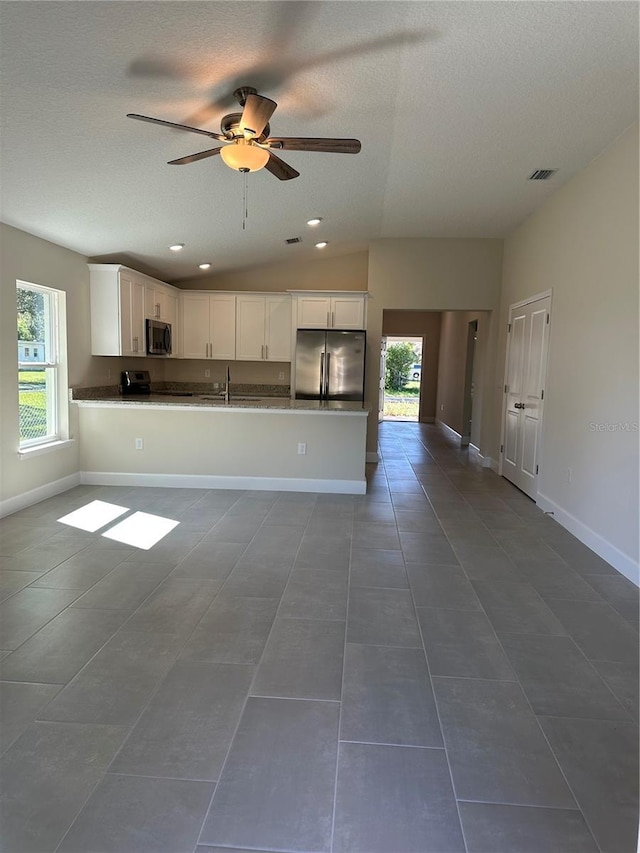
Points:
[[204, 266], [315, 221], [177, 247], [321, 245]]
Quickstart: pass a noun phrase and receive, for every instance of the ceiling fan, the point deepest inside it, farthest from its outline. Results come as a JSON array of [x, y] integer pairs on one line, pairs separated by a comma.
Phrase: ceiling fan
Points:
[[248, 146]]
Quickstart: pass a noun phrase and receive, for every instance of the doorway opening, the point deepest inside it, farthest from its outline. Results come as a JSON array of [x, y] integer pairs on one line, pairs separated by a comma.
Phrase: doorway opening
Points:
[[467, 400], [401, 378]]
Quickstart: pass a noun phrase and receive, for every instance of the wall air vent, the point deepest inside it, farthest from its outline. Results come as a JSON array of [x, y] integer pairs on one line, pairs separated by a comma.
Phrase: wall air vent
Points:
[[542, 174], [291, 240]]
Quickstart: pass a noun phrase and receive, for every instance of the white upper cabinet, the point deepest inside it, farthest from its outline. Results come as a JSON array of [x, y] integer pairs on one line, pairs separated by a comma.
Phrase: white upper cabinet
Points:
[[263, 327], [161, 303], [331, 311], [277, 334], [117, 310], [208, 326]]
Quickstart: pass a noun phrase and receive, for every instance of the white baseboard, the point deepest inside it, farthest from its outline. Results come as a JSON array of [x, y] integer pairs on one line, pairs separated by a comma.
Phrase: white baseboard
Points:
[[447, 428], [373, 457], [41, 493], [485, 461], [211, 481], [602, 547]]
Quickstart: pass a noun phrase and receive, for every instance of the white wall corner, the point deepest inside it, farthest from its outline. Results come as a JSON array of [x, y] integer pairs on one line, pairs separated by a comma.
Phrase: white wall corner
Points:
[[625, 564], [487, 462], [41, 493]]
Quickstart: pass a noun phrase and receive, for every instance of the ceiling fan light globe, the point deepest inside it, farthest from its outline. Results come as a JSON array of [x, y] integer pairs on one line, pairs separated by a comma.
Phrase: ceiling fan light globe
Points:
[[243, 155]]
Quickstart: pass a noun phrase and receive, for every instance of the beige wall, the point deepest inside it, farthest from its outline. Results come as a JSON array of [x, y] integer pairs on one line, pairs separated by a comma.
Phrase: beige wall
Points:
[[343, 272], [583, 245], [27, 258], [430, 275], [426, 325], [452, 368]]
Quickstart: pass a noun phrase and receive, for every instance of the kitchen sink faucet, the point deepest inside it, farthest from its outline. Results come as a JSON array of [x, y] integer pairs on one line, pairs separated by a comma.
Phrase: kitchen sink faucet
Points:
[[227, 395]]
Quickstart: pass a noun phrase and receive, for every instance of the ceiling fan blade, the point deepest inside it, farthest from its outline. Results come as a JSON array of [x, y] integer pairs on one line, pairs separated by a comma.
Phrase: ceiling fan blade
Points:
[[257, 112], [182, 161], [283, 171], [331, 146], [177, 126]]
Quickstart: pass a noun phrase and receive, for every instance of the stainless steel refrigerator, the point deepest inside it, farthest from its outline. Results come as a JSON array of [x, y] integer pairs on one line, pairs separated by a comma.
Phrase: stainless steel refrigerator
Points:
[[330, 365]]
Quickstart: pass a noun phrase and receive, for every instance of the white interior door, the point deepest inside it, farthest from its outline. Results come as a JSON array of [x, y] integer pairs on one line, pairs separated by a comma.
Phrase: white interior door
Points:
[[524, 390]]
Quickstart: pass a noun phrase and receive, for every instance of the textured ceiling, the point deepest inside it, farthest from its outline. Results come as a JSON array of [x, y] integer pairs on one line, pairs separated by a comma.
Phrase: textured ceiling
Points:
[[455, 104]]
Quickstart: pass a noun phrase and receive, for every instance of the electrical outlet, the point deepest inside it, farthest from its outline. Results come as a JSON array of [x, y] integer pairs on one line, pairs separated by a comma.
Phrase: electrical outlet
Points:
[[207, 374], [302, 448], [281, 374], [216, 385], [139, 444]]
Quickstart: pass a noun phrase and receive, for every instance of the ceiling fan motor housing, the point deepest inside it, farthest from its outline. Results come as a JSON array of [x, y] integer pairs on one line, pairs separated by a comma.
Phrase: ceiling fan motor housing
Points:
[[230, 127]]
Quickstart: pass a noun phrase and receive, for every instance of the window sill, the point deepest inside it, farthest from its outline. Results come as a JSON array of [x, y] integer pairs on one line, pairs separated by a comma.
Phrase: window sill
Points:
[[39, 449]]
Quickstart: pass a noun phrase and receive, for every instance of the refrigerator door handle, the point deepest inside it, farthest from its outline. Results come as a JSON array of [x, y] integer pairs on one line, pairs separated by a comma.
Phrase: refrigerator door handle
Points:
[[321, 375], [326, 376]]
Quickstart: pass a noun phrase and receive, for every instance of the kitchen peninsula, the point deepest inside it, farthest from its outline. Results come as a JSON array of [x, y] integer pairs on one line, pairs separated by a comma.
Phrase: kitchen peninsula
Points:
[[201, 441]]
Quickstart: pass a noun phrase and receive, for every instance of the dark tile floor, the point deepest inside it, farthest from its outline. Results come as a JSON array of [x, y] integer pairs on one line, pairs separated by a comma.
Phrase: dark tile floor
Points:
[[430, 668]]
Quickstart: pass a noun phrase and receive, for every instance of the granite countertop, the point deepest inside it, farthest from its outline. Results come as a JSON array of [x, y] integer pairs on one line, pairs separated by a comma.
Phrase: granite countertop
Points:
[[109, 397]]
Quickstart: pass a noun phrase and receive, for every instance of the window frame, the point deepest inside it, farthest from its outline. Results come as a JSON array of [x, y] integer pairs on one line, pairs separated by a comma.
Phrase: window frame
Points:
[[54, 366]]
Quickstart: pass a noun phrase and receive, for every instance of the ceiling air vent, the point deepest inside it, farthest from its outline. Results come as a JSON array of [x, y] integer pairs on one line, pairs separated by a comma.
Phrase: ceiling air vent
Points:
[[291, 240], [542, 174]]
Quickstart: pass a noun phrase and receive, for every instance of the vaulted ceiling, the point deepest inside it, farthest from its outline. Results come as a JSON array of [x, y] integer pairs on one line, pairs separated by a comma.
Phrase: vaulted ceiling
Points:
[[455, 103]]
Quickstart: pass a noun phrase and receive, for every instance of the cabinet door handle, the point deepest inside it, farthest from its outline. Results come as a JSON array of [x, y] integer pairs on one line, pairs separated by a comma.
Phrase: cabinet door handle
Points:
[[135, 344], [328, 318], [262, 351], [332, 320], [266, 351]]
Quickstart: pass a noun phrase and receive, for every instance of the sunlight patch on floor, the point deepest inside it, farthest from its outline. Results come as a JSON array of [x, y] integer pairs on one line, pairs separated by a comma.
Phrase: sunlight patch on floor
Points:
[[142, 530], [93, 516]]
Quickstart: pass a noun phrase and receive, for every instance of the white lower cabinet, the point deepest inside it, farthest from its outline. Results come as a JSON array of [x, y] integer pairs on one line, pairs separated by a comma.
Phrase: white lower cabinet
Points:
[[263, 328], [208, 325]]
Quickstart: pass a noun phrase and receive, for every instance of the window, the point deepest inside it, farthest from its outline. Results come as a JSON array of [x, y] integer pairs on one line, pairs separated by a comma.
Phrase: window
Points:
[[42, 381]]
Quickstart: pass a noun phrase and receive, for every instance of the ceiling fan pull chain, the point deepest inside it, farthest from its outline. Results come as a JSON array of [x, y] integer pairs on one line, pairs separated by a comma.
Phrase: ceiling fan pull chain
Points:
[[245, 200]]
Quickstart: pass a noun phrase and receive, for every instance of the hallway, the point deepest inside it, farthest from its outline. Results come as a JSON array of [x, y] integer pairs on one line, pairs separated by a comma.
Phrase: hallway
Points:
[[433, 667]]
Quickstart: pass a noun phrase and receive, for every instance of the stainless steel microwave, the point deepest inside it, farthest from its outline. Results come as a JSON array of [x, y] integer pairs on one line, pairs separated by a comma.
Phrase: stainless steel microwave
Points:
[[158, 338]]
